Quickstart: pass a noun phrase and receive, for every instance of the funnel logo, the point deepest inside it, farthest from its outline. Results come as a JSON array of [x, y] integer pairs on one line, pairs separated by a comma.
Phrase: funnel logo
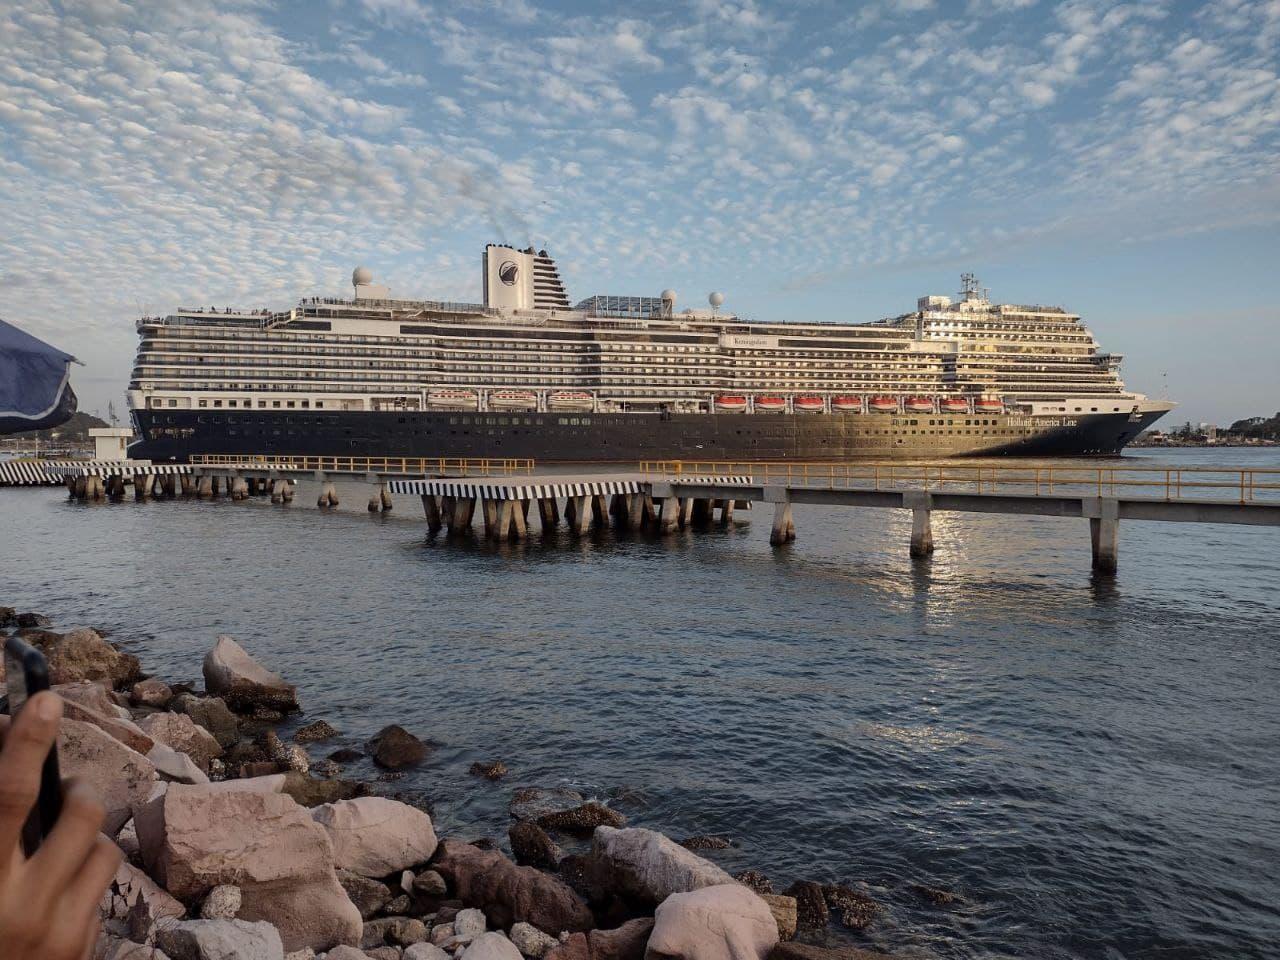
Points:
[[507, 272]]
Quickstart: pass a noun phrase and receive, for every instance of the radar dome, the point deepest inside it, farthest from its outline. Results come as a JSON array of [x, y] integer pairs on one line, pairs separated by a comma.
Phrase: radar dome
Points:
[[361, 275], [716, 299], [669, 295]]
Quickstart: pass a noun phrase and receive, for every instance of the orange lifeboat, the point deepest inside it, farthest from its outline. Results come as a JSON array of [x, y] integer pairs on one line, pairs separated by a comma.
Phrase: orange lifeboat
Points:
[[453, 399], [954, 405], [513, 400], [578, 400], [986, 405], [770, 403], [731, 403], [883, 404], [919, 405], [808, 404], [846, 404]]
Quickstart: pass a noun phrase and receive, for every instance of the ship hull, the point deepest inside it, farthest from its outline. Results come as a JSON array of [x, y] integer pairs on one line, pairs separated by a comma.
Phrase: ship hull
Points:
[[176, 435]]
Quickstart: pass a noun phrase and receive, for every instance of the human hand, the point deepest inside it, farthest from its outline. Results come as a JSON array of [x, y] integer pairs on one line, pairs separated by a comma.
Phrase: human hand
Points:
[[48, 903]]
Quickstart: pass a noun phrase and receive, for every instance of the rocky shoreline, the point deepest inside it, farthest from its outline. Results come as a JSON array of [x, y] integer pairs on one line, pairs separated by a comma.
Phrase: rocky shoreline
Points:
[[240, 844]]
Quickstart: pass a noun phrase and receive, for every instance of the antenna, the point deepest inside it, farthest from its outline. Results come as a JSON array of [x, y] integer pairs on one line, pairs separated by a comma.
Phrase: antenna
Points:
[[1164, 385], [968, 286]]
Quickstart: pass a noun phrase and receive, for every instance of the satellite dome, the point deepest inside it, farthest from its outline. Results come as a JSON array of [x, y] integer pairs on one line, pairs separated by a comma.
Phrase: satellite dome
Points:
[[716, 299], [361, 275], [669, 295]]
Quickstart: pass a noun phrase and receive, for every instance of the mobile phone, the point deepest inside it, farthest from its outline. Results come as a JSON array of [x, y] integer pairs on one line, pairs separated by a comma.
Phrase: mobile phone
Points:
[[26, 674]]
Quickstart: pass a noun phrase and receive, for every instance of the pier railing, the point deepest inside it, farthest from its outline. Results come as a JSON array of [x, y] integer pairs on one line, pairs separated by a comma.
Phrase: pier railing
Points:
[[407, 466], [1239, 484]]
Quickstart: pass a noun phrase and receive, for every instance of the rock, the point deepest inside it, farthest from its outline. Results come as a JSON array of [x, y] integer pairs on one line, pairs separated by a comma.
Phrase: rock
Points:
[[126, 731], [179, 732], [491, 946], [509, 893], [756, 880], [395, 748], [724, 922], [650, 867], [811, 904], [30, 620], [531, 941], [441, 934], [705, 842], [151, 693], [127, 841], [398, 905], [469, 924], [174, 766], [108, 947], [369, 896], [374, 836], [313, 731], [935, 895], [131, 889], [119, 776], [8, 617], [384, 953], [857, 910], [290, 755], [406, 880], [327, 770], [194, 838], [245, 684], [306, 953], [222, 903], [531, 803], [807, 951], [83, 655], [530, 845], [220, 940], [213, 714], [626, 942], [493, 770], [345, 755], [784, 913], [582, 819], [424, 951], [429, 884], [376, 932], [407, 930], [312, 792], [94, 694], [344, 952]]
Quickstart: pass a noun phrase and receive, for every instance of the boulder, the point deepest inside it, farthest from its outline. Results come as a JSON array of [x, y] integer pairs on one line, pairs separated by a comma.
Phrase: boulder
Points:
[[582, 819], [530, 845], [626, 942], [131, 887], [756, 880], [174, 766], [94, 694], [650, 867], [469, 924], [179, 732], [704, 842], [374, 836], [108, 947], [936, 895], [395, 748], [369, 896], [292, 756], [306, 953], [213, 714], [119, 776], [222, 903], [811, 904], [31, 620], [345, 755], [857, 910], [530, 803], [429, 884], [126, 731], [384, 953], [83, 655], [151, 693], [508, 893], [531, 941], [491, 946], [8, 617], [245, 684], [807, 951], [194, 838], [424, 951], [344, 952], [313, 731], [783, 909], [491, 770], [220, 940], [724, 922]]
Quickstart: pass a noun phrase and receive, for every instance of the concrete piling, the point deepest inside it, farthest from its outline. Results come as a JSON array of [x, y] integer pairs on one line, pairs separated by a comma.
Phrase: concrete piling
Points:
[[548, 514], [239, 489], [328, 495], [431, 507], [385, 495], [726, 512], [669, 515], [1104, 535], [686, 512], [578, 515], [600, 510], [920, 503], [784, 528]]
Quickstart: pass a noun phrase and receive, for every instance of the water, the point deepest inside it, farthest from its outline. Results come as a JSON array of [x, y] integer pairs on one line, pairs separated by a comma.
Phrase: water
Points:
[[1091, 764]]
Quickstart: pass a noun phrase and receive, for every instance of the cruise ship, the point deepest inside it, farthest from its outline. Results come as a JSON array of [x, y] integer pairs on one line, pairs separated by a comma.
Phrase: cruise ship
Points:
[[619, 378]]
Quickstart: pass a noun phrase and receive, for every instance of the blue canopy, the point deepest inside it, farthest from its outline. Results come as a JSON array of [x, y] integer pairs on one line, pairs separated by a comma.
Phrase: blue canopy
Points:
[[35, 383]]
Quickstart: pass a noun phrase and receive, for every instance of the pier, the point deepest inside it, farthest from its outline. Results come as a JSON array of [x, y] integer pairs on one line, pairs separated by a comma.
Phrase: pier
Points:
[[662, 497]]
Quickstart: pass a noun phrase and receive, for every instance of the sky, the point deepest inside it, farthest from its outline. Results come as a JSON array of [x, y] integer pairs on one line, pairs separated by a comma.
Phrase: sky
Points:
[[814, 160]]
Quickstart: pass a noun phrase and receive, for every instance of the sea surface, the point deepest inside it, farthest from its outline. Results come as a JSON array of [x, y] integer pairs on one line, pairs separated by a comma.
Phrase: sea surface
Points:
[[1091, 764]]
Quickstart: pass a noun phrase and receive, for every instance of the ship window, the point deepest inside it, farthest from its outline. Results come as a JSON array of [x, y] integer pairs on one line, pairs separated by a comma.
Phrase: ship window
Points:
[[319, 404], [562, 421], [205, 403], [262, 403], [276, 404]]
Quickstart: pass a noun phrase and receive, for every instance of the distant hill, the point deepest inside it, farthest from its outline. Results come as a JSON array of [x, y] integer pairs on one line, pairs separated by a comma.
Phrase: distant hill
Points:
[[75, 430], [1265, 428]]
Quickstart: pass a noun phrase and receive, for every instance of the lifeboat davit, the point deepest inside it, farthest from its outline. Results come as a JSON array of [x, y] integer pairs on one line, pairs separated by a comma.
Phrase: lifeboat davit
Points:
[[731, 403], [954, 405], [883, 404], [452, 399], [578, 400], [986, 405], [513, 400], [846, 404], [809, 404], [770, 403], [919, 405]]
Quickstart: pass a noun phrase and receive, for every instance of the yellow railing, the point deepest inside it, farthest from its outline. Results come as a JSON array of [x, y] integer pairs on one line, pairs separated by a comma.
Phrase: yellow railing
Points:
[[408, 466], [1242, 484]]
